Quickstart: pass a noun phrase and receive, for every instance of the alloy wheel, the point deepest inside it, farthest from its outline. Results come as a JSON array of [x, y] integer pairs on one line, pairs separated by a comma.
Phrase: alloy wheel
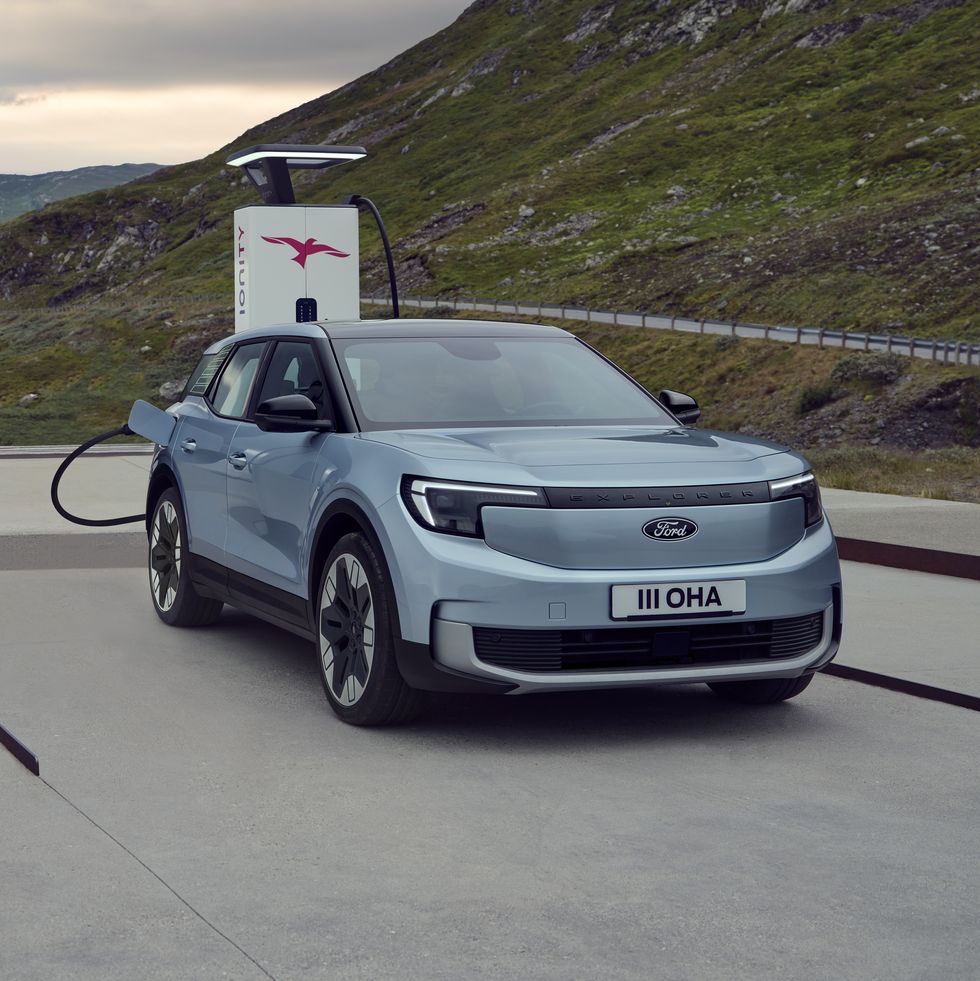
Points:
[[165, 548], [346, 629]]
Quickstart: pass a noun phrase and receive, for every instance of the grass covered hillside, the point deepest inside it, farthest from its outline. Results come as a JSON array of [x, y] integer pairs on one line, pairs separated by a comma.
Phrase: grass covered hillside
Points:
[[796, 161]]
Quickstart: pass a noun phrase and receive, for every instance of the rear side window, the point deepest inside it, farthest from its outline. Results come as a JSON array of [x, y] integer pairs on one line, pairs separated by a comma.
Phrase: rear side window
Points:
[[231, 394], [201, 377]]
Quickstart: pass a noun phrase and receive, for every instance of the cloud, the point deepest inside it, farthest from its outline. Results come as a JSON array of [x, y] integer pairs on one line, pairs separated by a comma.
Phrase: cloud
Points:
[[103, 81], [58, 45], [16, 99], [77, 129]]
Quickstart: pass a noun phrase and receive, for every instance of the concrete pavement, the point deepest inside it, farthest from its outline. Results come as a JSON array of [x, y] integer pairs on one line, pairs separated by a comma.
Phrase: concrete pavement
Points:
[[201, 813], [614, 835]]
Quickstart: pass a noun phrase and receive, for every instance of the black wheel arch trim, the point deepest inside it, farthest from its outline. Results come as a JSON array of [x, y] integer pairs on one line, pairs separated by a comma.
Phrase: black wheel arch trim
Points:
[[415, 661], [162, 476]]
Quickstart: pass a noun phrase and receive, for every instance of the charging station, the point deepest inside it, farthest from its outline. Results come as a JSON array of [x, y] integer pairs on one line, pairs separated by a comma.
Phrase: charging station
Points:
[[294, 263]]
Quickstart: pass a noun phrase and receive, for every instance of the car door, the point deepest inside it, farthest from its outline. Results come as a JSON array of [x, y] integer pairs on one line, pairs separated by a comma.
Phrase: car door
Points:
[[203, 442], [271, 481]]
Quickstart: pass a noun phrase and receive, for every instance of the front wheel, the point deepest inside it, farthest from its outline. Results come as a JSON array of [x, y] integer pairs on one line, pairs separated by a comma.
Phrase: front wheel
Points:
[[763, 691], [355, 639], [175, 599]]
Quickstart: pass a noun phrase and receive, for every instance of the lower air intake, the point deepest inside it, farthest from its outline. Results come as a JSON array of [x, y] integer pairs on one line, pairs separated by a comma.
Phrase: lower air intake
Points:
[[648, 647]]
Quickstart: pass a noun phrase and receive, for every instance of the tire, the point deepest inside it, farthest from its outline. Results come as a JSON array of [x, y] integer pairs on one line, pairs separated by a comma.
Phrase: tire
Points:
[[175, 599], [765, 691], [355, 638]]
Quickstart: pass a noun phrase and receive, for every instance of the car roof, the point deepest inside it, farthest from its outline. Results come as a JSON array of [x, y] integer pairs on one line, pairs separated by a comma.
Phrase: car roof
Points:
[[354, 329], [435, 328]]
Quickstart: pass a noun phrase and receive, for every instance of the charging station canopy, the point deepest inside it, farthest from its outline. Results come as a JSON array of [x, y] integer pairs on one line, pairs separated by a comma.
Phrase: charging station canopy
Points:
[[268, 164]]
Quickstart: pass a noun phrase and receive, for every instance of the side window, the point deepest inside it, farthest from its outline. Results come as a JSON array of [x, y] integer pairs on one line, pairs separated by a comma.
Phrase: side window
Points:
[[201, 377], [231, 395], [295, 370]]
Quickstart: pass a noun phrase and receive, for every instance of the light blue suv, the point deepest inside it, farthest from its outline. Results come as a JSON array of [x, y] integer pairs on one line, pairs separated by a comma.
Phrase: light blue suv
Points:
[[485, 507]]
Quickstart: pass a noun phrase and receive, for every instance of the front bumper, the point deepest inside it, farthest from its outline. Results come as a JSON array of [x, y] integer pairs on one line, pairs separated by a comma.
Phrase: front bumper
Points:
[[454, 649], [445, 586]]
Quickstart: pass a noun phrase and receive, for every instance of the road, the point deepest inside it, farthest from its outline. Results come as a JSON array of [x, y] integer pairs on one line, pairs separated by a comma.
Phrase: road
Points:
[[201, 813], [204, 815]]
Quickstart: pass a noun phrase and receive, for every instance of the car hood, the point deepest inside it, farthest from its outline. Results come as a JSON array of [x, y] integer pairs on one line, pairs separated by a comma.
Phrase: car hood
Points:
[[623, 453]]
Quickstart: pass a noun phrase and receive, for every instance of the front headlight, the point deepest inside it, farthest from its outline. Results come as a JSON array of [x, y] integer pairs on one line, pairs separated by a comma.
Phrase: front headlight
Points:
[[805, 486], [454, 508]]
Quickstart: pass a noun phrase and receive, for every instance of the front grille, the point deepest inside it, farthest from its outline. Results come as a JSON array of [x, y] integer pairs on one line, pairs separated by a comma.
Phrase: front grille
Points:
[[610, 648]]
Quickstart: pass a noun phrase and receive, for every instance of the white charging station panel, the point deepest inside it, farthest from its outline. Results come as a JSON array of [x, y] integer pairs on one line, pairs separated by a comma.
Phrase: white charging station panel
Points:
[[296, 262]]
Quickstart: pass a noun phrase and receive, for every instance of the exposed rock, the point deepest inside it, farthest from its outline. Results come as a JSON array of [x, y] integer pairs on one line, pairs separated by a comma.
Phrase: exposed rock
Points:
[[523, 7], [438, 94], [574, 226], [441, 224], [170, 391], [610, 134], [382, 134], [827, 34], [592, 21], [28, 399], [694, 23], [145, 236], [486, 65], [344, 130], [591, 56]]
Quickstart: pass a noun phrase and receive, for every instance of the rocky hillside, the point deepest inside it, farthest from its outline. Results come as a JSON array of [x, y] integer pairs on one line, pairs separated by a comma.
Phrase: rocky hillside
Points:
[[802, 161], [795, 161], [20, 193]]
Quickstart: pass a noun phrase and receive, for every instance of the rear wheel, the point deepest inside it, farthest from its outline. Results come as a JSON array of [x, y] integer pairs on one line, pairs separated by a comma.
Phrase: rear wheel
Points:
[[175, 599], [761, 692], [355, 639]]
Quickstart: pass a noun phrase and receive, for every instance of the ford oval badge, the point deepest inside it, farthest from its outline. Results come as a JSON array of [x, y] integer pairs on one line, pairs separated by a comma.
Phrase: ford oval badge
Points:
[[670, 529]]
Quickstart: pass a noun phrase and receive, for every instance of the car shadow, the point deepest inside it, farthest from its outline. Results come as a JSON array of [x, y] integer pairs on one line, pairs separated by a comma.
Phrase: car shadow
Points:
[[558, 719]]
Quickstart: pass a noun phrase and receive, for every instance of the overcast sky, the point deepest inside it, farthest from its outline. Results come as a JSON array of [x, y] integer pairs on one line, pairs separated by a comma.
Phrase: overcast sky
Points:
[[111, 81]]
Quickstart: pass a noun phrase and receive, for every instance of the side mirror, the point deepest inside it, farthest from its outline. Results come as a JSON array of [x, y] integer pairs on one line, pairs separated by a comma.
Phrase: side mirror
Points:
[[290, 414], [683, 406]]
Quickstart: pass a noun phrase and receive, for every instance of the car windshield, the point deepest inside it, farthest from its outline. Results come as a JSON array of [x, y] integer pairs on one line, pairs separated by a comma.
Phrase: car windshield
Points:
[[455, 382]]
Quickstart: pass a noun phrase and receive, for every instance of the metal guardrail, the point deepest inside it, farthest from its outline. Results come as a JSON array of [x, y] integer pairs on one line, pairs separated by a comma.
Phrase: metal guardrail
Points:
[[942, 351]]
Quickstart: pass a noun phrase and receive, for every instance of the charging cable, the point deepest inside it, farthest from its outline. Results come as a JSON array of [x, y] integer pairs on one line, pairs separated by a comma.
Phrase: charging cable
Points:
[[67, 462], [360, 202]]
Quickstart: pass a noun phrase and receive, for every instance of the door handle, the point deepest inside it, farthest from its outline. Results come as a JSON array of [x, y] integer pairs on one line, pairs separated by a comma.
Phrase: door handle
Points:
[[188, 445], [238, 460]]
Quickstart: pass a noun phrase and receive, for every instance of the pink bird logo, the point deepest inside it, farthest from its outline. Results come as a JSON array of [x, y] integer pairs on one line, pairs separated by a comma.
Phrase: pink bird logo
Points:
[[305, 249]]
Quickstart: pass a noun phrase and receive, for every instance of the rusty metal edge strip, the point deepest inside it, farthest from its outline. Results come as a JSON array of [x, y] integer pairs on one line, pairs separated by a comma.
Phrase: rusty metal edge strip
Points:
[[904, 686], [19, 751], [911, 558]]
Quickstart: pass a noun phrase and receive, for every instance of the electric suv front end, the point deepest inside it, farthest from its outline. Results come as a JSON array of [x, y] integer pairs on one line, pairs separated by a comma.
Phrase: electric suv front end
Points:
[[463, 506]]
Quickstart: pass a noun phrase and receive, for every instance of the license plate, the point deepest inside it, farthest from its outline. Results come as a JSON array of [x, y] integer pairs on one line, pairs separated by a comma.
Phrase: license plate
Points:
[[672, 599]]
